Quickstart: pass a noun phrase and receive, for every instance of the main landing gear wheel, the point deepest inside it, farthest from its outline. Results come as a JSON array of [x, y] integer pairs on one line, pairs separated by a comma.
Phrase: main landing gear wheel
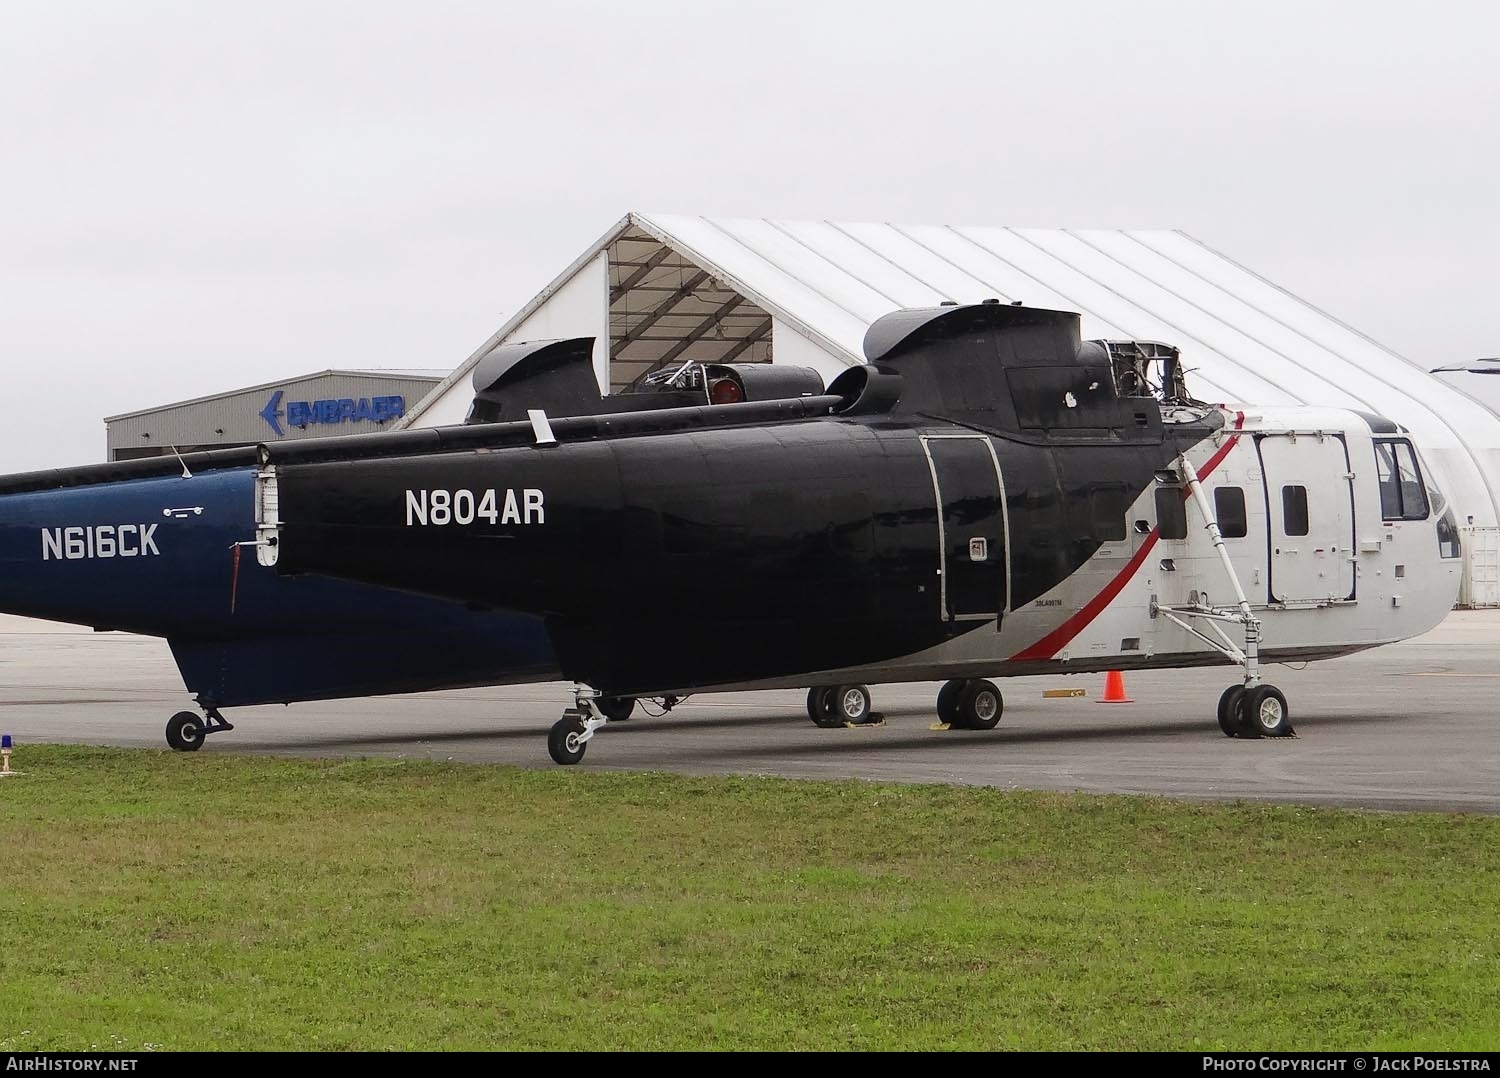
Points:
[[1263, 713], [969, 704], [186, 731], [563, 742], [832, 706], [947, 701], [851, 705], [1229, 710], [615, 708], [978, 707], [820, 707]]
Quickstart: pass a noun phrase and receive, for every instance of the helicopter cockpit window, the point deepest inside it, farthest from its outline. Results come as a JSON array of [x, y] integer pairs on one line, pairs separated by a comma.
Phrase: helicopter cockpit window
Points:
[[1402, 495], [1449, 544]]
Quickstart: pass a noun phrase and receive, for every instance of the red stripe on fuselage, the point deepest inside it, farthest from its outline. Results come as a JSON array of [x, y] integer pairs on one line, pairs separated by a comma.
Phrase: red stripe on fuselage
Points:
[[1060, 637]]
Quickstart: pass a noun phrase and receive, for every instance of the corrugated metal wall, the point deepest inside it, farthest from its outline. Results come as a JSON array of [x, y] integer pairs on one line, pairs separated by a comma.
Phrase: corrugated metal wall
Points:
[[1481, 584], [241, 417]]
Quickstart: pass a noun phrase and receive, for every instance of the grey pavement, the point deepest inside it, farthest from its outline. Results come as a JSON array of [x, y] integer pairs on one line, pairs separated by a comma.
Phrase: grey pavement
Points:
[[1405, 727]]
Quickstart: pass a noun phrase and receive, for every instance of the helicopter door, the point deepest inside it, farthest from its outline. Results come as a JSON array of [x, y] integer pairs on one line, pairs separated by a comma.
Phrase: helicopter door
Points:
[[973, 554], [1310, 510]]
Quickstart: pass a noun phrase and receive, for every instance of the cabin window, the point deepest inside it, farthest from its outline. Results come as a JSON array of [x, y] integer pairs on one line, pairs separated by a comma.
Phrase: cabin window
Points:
[[1402, 495], [1294, 510], [1171, 512], [1109, 505], [1449, 545], [1229, 507]]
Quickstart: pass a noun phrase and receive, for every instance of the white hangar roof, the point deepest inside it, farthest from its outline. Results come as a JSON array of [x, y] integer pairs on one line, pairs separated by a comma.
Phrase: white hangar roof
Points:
[[660, 288]]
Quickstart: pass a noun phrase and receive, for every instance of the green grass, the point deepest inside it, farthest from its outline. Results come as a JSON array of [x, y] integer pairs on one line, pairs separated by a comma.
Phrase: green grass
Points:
[[219, 901]]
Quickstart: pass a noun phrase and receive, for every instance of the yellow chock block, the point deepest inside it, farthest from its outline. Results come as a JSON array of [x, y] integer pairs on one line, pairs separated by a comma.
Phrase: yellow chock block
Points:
[[1063, 694]]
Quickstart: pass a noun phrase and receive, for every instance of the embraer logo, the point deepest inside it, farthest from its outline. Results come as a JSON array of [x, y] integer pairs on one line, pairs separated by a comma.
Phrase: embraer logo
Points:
[[101, 541], [300, 414]]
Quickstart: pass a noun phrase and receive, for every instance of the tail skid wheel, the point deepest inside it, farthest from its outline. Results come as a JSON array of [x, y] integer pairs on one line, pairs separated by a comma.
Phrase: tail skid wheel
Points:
[[186, 731], [563, 740]]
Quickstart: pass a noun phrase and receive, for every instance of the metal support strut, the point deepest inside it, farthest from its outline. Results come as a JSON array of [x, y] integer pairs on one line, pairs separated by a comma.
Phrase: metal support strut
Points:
[[217, 723], [588, 711], [1242, 615]]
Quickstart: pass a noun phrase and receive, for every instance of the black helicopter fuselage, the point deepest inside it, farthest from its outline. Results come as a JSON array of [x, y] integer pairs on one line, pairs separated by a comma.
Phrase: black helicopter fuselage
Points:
[[677, 559], [728, 556]]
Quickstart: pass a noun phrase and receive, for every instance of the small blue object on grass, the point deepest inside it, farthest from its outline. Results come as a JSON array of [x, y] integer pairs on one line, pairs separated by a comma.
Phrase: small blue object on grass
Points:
[[4, 741]]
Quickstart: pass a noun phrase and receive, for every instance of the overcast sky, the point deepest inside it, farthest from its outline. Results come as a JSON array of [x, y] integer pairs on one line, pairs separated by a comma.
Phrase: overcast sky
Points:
[[196, 197]]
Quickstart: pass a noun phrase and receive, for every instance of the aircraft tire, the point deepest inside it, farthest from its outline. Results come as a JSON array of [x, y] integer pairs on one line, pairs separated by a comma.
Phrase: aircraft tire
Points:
[[947, 702], [615, 708], [1229, 710], [562, 743], [185, 732], [980, 705], [1265, 713], [850, 705], [820, 707]]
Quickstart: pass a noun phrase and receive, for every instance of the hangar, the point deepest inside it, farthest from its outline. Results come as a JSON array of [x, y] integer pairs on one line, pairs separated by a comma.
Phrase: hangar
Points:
[[658, 289], [310, 406]]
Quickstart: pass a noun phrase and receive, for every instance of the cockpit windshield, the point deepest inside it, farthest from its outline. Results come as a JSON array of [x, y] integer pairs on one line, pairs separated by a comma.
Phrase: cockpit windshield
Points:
[[1402, 494], [1408, 492]]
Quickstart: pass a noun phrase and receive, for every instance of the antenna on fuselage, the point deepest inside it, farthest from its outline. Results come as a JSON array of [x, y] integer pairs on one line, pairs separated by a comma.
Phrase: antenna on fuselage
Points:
[[185, 473]]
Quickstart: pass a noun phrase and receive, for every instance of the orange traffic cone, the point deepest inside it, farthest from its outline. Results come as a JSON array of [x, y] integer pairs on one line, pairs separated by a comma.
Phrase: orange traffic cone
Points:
[[1114, 689]]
